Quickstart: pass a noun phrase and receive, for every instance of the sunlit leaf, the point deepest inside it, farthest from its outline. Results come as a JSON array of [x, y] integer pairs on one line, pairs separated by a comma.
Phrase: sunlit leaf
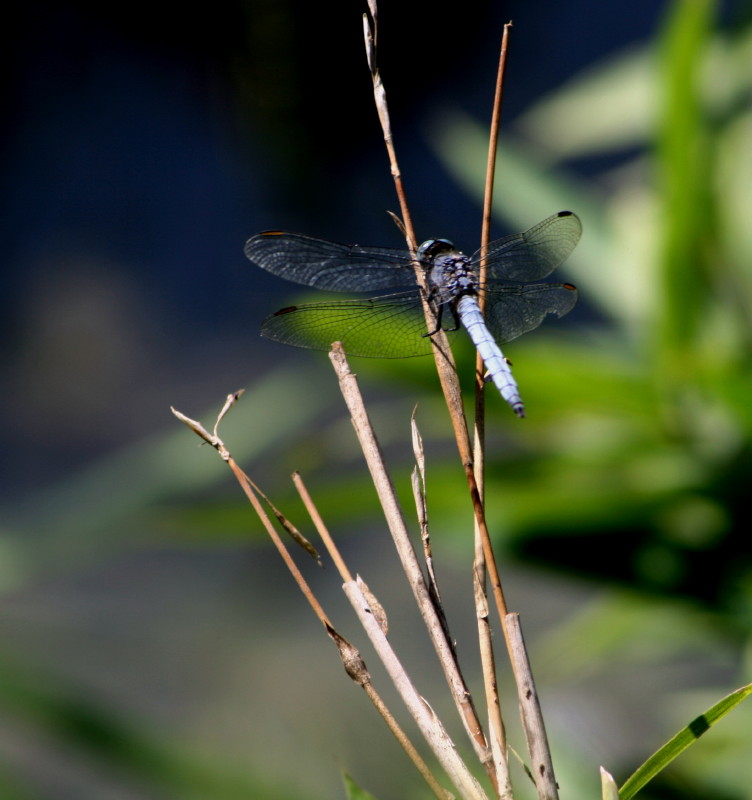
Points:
[[677, 744]]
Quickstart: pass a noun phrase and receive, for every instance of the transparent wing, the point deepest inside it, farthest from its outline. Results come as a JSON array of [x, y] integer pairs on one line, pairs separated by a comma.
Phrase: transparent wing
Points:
[[534, 254], [330, 266], [380, 327], [514, 310]]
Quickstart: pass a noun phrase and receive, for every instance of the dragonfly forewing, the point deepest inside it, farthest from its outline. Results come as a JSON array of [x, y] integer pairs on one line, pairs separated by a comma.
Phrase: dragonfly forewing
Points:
[[331, 266], [536, 253]]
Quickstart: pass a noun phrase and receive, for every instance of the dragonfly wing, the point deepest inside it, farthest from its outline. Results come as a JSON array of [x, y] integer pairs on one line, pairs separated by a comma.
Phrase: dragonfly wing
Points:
[[514, 310], [330, 266], [536, 253], [392, 326]]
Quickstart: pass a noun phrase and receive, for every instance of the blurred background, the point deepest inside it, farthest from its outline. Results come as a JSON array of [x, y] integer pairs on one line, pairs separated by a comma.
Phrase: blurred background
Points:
[[153, 646]]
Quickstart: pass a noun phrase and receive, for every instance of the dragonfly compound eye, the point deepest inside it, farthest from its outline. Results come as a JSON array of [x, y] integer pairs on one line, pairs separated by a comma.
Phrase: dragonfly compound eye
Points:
[[433, 247]]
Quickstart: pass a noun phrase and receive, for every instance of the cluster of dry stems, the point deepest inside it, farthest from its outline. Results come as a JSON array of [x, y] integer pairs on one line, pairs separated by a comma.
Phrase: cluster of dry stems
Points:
[[490, 747]]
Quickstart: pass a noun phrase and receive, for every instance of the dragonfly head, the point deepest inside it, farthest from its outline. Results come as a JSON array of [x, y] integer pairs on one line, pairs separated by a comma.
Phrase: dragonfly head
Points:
[[434, 247]]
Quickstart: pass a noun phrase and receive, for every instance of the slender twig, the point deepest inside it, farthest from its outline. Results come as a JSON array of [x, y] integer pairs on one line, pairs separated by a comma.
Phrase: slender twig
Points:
[[445, 363], [530, 710], [488, 661], [421, 508], [247, 486], [442, 353], [321, 528]]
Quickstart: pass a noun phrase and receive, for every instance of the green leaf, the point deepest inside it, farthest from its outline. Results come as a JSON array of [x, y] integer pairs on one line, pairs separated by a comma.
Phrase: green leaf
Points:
[[354, 792], [676, 745], [684, 159]]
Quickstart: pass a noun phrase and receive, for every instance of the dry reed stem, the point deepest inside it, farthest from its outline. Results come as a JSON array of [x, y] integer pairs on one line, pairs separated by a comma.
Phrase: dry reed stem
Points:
[[428, 723], [497, 733], [541, 765], [442, 352], [529, 703], [361, 598]]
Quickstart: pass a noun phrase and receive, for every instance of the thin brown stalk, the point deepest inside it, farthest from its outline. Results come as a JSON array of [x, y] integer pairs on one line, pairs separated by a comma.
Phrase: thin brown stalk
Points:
[[421, 508], [496, 734], [321, 528], [445, 364], [246, 484], [488, 661], [442, 353], [429, 724], [530, 710]]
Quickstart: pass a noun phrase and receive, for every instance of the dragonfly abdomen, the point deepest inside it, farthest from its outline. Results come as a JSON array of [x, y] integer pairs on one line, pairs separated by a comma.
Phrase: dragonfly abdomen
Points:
[[493, 358]]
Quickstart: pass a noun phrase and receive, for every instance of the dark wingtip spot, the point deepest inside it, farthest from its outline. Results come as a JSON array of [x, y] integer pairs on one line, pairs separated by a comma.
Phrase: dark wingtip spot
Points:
[[564, 214], [286, 310], [570, 286]]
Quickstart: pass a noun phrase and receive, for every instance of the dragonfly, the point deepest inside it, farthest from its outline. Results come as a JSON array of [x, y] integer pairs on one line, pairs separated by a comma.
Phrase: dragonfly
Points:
[[394, 325]]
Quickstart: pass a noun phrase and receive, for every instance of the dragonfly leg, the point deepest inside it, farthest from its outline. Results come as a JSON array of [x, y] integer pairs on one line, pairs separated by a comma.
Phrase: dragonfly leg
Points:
[[439, 314], [456, 318]]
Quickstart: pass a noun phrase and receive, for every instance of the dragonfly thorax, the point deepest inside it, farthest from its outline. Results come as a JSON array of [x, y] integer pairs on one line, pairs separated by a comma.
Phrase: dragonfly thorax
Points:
[[451, 277]]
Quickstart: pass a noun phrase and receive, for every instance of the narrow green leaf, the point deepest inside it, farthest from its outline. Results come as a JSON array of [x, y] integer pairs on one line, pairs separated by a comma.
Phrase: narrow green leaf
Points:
[[676, 745], [354, 792], [684, 160]]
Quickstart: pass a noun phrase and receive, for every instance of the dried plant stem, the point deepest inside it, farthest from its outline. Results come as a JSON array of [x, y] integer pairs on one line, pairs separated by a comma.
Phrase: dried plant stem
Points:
[[247, 486], [411, 565], [496, 734], [541, 764], [351, 659], [427, 721], [442, 353], [488, 661], [493, 141], [530, 710]]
